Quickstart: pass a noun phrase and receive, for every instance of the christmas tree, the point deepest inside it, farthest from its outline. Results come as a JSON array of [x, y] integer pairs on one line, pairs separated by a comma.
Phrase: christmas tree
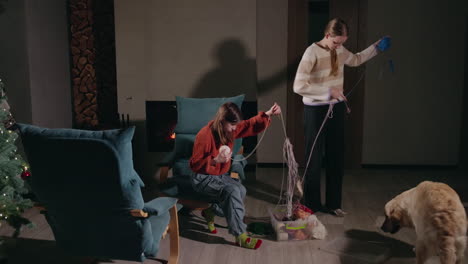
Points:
[[12, 186]]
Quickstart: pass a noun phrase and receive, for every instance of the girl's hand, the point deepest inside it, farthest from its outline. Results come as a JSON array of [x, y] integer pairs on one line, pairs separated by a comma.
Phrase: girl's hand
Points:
[[274, 110], [224, 155], [225, 152], [336, 93], [221, 159]]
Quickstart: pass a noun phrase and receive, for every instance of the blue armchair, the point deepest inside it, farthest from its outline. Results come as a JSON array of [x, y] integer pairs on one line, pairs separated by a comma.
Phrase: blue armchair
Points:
[[91, 193], [192, 115]]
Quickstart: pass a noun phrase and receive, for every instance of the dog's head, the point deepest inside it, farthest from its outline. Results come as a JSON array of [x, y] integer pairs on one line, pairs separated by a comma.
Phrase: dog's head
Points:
[[395, 217]]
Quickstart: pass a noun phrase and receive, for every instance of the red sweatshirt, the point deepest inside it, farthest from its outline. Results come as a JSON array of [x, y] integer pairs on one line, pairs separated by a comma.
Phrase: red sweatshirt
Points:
[[205, 148]]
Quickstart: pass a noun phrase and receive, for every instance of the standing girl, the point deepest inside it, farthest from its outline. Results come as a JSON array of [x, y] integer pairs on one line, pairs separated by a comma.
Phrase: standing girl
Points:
[[211, 160], [319, 80]]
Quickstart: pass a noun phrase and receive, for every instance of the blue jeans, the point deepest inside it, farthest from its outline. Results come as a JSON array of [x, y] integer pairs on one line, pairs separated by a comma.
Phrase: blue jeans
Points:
[[229, 193]]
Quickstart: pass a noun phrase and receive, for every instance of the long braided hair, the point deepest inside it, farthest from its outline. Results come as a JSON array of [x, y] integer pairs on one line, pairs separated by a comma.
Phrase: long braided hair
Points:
[[336, 27]]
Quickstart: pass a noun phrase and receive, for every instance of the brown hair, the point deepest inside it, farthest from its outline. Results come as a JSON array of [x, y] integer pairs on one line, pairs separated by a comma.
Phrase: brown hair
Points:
[[229, 112], [336, 27]]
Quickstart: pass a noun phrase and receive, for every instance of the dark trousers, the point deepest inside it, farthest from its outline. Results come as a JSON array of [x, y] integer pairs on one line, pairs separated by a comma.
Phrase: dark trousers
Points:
[[330, 143]]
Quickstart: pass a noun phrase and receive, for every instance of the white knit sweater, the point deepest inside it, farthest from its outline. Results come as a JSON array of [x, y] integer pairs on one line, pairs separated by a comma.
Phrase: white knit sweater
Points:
[[313, 80]]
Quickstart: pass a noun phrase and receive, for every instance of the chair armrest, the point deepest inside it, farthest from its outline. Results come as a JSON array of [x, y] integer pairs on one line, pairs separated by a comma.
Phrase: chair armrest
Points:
[[159, 205], [235, 175], [164, 174], [139, 213], [155, 207], [166, 164], [241, 150]]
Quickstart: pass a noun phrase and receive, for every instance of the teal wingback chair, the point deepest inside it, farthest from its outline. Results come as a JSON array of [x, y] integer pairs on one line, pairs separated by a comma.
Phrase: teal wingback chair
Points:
[[192, 115], [91, 194]]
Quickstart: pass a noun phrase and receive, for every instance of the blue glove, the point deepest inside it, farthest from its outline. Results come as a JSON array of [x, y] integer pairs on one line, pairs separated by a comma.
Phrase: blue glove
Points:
[[384, 44]]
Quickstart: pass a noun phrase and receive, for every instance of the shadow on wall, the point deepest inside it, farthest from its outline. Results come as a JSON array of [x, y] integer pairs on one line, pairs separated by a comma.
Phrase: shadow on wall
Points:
[[235, 73]]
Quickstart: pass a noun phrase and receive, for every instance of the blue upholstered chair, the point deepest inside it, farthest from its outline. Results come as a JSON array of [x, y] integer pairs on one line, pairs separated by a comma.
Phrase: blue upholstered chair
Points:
[[192, 115], [91, 193]]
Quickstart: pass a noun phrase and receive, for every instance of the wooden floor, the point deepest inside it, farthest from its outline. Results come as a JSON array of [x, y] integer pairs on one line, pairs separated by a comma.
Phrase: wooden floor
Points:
[[365, 193]]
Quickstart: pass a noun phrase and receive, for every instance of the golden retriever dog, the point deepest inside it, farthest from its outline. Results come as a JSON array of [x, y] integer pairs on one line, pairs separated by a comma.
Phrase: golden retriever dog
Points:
[[436, 213]]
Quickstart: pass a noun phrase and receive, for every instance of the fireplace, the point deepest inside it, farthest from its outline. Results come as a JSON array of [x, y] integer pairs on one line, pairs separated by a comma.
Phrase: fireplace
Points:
[[161, 119]]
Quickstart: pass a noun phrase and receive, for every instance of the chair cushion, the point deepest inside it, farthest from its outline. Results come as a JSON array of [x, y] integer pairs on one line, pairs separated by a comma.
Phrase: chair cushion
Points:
[[195, 113]]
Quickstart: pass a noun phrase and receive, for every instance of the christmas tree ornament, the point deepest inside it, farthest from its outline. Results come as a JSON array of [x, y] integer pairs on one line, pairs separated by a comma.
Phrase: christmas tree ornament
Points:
[[25, 174]]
